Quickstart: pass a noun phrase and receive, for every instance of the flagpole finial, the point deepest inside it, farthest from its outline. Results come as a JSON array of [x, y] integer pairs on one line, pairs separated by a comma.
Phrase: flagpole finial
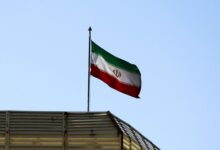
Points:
[[90, 29]]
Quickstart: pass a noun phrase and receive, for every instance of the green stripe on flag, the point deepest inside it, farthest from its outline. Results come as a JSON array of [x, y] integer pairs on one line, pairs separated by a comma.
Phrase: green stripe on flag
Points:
[[117, 62]]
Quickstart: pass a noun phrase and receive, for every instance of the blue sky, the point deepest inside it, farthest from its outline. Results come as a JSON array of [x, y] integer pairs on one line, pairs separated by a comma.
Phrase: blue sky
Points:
[[175, 44]]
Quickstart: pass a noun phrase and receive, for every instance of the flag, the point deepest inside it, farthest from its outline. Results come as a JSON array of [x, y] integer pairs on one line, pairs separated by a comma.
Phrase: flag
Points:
[[115, 72]]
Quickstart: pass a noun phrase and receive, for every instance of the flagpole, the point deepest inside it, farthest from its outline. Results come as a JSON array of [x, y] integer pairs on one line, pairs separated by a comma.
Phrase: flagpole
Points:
[[89, 64]]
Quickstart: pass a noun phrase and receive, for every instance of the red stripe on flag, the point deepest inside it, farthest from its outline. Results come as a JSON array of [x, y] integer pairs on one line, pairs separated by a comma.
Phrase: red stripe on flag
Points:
[[114, 83]]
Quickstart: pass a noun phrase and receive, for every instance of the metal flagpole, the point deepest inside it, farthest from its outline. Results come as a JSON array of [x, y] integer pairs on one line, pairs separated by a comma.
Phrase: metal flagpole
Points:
[[89, 64]]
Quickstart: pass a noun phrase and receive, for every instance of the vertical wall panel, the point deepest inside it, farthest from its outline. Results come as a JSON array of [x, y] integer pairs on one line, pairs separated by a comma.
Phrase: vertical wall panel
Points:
[[2, 130], [92, 131], [36, 130]]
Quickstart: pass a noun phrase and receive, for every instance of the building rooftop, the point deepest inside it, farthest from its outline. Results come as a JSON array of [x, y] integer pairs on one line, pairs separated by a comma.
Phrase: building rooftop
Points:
[[34, 130]]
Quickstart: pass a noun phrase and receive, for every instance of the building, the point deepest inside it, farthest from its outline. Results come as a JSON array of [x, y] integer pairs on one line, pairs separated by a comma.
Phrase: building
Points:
[[27, 130]]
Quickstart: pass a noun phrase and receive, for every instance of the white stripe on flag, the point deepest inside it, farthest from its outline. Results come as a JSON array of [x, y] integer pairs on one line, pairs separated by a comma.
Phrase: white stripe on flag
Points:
[[121, 74]]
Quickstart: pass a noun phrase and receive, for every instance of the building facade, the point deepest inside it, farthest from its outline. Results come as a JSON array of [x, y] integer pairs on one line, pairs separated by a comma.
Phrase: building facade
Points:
[[28, 130]]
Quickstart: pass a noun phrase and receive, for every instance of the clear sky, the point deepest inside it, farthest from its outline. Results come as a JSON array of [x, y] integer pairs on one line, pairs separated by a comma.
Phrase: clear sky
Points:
[[175, 44]]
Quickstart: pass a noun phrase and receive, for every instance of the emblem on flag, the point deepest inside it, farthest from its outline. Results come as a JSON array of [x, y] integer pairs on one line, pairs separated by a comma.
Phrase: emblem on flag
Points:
[[117, 73]]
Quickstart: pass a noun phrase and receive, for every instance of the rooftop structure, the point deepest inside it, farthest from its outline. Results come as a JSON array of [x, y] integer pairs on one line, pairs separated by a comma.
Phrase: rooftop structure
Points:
[[28, 130]]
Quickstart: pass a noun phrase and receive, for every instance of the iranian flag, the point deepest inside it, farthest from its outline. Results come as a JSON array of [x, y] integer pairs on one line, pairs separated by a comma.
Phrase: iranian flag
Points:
[[115, 72]]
